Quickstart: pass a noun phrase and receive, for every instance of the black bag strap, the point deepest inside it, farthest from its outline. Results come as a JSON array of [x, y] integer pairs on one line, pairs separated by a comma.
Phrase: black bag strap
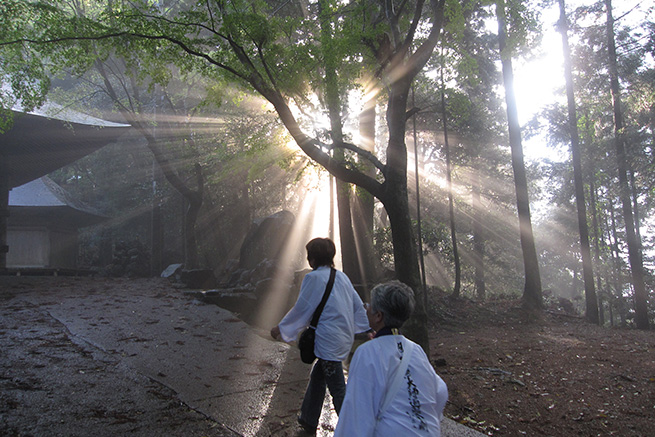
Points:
[[326, 294]]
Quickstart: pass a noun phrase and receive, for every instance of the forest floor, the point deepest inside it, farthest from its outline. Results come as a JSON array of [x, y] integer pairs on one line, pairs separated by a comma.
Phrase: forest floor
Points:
[[510, 373]]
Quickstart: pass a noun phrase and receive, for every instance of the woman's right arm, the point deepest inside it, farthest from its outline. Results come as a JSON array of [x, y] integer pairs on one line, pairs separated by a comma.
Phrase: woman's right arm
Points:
[[300, 315]]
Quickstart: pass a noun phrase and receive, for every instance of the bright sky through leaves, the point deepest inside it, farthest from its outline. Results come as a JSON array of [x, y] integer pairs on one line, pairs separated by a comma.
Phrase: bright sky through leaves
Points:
[[539, 82]]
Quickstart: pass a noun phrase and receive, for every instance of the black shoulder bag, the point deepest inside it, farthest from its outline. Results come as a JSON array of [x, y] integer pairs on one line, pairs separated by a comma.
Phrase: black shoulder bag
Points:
[[306, 340]]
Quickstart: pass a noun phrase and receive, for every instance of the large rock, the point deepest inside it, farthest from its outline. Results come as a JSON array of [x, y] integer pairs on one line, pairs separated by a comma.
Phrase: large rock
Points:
[[265, 239], [198, 278], [240, 301]]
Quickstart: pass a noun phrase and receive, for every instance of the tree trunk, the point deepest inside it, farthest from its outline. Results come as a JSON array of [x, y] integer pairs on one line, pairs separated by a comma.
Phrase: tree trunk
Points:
[[587, 268], [332, 97], [635, 206], [363, 201], [195, 203], [449, 183], [346, 234], [419, 226], [634, 252], [597, 253], [478, 237], [618, 271], [603, 294], [532, 295], [157, 239], [331, 221], [396, 202]]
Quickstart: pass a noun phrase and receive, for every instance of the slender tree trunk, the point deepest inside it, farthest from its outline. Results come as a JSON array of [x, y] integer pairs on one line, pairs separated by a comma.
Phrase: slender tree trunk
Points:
[[419, 227], [634, 252], [364, 202], [635, 206], [587, 268], [156, 225], [574, 282], [596, 237], [603, 294], [478, 237], [157, 230], [195, 203], [347, 235], [331, 221], [449, 183], [332, 96], [618, 271], [532, 294]]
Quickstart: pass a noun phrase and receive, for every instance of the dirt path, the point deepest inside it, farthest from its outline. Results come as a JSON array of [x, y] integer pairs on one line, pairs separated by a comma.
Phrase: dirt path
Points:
[[55, 386], [93, 356], [552, 375]]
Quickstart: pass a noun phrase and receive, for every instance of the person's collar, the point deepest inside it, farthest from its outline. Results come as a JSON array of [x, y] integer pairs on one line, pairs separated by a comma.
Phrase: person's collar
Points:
[[387, 331]]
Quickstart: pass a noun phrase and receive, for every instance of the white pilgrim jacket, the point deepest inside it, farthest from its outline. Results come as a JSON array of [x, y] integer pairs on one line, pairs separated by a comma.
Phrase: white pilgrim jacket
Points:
[[416, 408], [343, 316]]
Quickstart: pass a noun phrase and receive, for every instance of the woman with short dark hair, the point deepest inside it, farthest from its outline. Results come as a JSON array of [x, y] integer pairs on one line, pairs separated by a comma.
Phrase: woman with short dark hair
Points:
[[343, 316], [321, 252]]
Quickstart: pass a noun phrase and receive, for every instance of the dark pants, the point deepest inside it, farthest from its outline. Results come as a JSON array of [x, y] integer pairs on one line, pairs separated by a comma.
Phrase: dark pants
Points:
[[324, 374]]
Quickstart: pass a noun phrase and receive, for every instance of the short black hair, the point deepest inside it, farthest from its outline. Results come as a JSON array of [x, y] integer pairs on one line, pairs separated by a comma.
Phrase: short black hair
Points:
[[321, 251]]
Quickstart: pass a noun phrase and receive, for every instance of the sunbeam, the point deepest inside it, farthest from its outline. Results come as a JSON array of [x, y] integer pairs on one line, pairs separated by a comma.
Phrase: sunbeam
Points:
[[312, 221]]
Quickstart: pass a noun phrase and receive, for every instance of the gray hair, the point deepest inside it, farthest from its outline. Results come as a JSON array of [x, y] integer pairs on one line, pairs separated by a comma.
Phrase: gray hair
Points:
[[395, 300]]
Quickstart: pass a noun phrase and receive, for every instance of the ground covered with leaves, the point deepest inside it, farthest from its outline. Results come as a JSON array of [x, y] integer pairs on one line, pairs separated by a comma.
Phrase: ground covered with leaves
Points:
[[508, 373], [511, 373]]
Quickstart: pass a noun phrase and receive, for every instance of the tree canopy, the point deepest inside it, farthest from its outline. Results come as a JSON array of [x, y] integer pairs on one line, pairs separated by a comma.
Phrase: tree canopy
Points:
[[314, 63]]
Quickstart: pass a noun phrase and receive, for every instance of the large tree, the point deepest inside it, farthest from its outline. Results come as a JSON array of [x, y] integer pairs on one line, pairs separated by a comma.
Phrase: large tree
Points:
[[127, 99], [634, 245], [270, 49], [532, 294], [598, 151], [585, 248]]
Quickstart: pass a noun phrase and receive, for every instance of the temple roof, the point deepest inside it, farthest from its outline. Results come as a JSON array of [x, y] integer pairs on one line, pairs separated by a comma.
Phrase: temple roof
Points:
[[43, 141], [44, 199]]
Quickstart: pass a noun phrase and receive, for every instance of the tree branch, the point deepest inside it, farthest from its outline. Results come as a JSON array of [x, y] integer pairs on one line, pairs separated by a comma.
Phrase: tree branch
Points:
[[412, 112], [409, 38], [174, 41], [268, 71], [364, 153], [421, 56]]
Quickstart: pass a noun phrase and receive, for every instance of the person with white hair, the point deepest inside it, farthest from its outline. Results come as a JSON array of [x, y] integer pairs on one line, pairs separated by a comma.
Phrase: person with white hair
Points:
[[392, 388]]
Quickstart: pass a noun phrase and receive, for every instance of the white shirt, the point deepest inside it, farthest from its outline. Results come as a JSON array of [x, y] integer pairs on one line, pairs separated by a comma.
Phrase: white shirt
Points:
[[343, 316], [416, 408]]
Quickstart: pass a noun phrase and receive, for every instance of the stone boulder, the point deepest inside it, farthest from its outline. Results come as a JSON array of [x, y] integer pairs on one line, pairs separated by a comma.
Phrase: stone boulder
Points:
[[237, 300], [198, 278], [265, 239]]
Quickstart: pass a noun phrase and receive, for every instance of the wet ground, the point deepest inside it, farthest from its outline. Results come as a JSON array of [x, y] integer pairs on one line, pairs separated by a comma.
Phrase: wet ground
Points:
[[107, 357], [86, 356]]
